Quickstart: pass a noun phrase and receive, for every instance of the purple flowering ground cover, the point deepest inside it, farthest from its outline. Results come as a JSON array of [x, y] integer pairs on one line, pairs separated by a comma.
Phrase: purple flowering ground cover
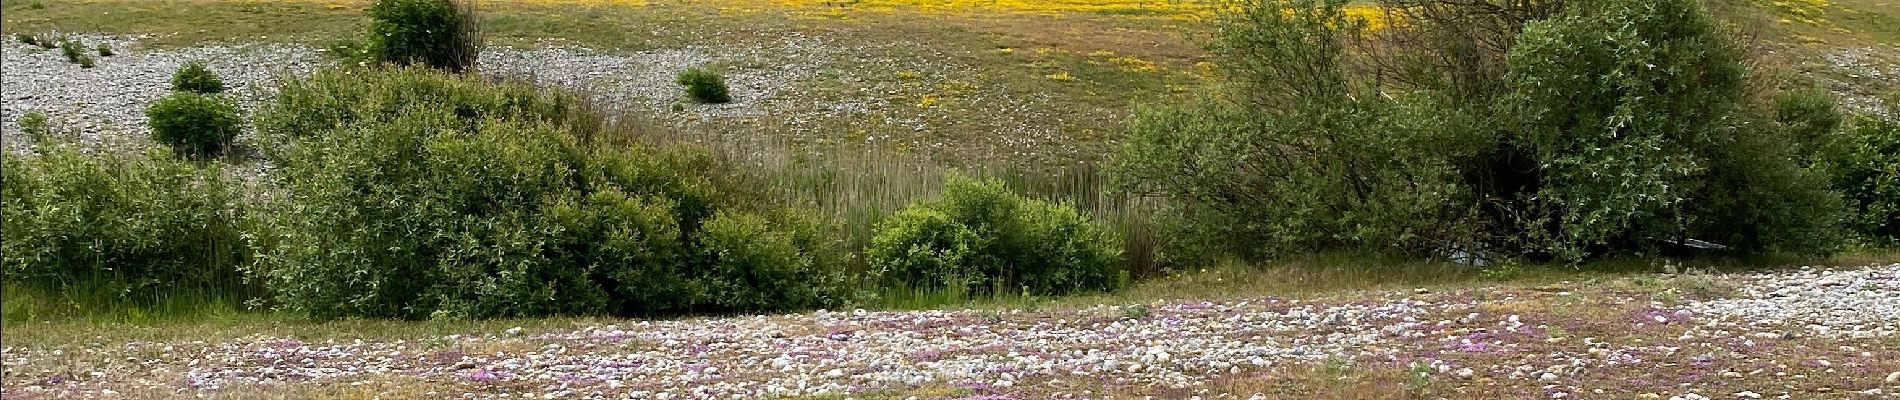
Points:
[[1804, 333]]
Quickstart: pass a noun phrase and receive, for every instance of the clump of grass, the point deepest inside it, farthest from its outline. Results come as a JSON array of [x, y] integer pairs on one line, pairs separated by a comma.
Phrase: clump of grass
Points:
[[105, 50], [27, 38], [1137, 311], [33, 124], [705, 86], [75, 52]]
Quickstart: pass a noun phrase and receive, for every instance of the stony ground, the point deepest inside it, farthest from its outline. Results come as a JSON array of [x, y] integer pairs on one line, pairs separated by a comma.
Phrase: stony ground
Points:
[[105, 104], [791, 87], [1807, 333]]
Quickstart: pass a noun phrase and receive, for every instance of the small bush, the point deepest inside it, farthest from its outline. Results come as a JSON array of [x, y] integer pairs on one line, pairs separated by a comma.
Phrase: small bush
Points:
[[441, 34], [414, 194], [981, 238], [105, 50], [26, 38], [131, 226], [76, 53], [705, 86], [33, 124], [193, 124], [195, 77]]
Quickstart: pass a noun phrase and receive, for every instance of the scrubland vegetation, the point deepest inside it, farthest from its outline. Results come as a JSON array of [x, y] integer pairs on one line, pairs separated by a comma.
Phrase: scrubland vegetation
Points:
[[1558, 152], [1554, 134]]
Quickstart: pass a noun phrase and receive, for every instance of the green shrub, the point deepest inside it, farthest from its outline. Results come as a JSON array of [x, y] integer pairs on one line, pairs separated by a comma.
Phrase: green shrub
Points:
[[1609, 127], [75, 52], [441, 34], [26, 38], [1620, 102], [34, 125], [1756, 198], [705, 86], [1864, 165], [764, 263], [981, 238], [414, 194], [193, 124], [105, 50], [195, 77], [1295, 155], [1808, 118], [132, 227]]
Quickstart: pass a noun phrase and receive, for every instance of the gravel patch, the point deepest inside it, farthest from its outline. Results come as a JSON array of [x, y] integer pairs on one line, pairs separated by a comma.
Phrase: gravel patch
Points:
[[1505, 341], [105, 105]]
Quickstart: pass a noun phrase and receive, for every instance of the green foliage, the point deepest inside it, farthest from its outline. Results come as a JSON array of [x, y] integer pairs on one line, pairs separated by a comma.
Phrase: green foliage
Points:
[[1808, 118], [704, 86], [26, 38], [193, 124], [1608, 127], [415, 195], [1620, 101], [762, 263], [1864, 165], [75, 52], [441, 34], [132, 227], [34, 125], [982, 238], [1295, 155], [195, 77], [1757, 199], [105, 50]]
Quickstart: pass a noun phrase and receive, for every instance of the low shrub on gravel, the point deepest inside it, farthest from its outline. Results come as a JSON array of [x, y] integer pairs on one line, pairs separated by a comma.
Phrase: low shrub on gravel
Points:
[[195, 125], [705, 86], [27, 39], [35, 126], [105, 50], [195, 77], [981, 238], [75, 52], [414, 194], [442, 34], [129, 227]]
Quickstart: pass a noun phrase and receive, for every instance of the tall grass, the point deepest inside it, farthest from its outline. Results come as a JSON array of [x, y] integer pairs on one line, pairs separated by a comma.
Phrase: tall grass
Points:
[[854, 187]]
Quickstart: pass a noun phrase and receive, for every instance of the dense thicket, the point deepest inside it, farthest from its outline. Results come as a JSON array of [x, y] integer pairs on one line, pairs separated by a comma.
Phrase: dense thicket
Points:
[[1555, 130], [412, 194], [129, 227]]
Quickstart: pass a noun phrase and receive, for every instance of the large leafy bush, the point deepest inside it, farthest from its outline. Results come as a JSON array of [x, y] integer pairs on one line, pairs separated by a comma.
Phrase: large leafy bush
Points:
[[1604, 126], [1864, 164], [1295, 154], [980, 238], [414, 194], [135, 227]]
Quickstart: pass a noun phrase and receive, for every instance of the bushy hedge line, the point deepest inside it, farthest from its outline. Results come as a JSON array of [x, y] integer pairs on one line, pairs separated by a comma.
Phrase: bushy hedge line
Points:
[[980, 238], [1547, 132], [133, 226], [413, 194]]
